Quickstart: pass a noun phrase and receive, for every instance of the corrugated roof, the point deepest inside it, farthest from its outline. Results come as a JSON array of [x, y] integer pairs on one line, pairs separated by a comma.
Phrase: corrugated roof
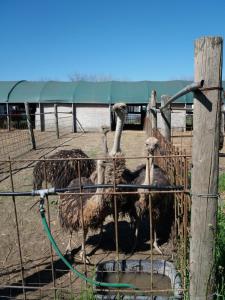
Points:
[[89, 92]]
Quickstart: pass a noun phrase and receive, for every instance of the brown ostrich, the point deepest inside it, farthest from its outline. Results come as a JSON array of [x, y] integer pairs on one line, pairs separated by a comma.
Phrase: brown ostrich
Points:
[[95, 209], [161, 203], [136, 205], [59, 173], [116, 171]]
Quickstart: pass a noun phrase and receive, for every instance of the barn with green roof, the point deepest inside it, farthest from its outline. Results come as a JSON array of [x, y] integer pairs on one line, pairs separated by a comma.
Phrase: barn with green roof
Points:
[[87, 105]]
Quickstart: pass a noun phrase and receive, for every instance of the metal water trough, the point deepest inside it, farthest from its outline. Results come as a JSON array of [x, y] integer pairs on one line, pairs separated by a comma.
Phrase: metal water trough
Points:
[[159, 267]]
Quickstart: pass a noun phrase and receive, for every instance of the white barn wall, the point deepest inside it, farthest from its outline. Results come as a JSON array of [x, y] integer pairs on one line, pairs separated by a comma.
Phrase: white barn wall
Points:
[[65, 118], [178, 120], [91, 118]]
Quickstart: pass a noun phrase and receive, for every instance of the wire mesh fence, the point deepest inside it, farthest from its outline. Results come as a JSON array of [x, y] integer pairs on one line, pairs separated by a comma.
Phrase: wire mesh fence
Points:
[[16, 137], [30, 268]]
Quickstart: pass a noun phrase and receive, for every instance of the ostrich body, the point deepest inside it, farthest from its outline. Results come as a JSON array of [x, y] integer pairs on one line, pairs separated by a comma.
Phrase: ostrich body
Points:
[[59, 173], [162, 204], [95, 209]]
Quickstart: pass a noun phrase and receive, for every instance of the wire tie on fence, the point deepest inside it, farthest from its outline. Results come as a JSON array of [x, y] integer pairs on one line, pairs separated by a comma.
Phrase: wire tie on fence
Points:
[[211, 88], [205, 195]]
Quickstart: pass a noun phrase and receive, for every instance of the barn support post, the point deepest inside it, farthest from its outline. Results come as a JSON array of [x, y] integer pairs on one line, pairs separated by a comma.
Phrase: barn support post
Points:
[[8, 117], [166, 118], [74, 125], [56, 120], [205, 158], [29, 125], [42, 117]]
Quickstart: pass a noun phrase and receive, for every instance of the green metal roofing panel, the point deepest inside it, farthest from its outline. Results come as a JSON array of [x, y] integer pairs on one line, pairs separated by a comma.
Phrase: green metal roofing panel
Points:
[[56, 91], [26, 91], [6, 88], [132, 92], [93, 92]]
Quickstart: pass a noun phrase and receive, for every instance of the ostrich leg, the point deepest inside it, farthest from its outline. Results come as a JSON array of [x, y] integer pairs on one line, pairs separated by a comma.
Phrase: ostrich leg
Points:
[[155, 243], [84, 257], [69, 246]]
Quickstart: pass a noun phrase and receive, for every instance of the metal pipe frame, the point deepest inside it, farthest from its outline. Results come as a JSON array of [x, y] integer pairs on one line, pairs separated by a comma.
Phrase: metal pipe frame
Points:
[[189, 88]]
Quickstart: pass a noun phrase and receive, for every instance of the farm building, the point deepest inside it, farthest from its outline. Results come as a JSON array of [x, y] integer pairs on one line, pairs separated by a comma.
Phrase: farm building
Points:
[[87, 105]]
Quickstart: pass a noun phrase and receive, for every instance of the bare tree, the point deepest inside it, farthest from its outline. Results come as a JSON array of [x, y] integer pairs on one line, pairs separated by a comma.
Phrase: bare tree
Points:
[[77, 76]]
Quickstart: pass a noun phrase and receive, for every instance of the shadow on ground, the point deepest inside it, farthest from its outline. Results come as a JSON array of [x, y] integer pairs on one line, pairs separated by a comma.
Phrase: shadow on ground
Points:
[[107, 243]]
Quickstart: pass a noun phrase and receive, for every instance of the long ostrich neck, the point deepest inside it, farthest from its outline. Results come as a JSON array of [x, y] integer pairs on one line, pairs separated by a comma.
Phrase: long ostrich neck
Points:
[[149, 170], [118, 133], [100, 177], [104, 143]]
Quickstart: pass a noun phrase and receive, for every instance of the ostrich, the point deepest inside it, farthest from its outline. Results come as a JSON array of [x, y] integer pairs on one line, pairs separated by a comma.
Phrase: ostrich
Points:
[[95, 209], [162, 204], [116, 171], [136, 205], [59, 173]]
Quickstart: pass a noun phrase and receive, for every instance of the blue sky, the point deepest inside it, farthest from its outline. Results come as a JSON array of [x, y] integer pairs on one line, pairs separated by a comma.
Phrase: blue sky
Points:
[[122, 40]]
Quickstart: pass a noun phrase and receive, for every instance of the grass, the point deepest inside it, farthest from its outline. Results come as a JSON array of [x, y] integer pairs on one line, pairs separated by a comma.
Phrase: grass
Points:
[[220, 254], [220, 245], [222, 183]]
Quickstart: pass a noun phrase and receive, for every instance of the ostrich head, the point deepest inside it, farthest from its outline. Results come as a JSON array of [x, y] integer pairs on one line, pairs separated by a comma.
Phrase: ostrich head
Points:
[[105, 129], [151, 144], [120, 109]]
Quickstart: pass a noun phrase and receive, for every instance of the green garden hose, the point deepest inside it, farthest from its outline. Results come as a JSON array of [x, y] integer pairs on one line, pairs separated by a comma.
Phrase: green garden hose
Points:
[[80, 275]]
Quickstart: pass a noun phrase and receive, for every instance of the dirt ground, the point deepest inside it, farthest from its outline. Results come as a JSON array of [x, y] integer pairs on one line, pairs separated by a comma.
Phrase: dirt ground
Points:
[[35, 249]]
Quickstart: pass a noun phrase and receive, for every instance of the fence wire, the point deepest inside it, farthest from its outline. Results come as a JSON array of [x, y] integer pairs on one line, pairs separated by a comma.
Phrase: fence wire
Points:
[[16, 141], [30, 269]]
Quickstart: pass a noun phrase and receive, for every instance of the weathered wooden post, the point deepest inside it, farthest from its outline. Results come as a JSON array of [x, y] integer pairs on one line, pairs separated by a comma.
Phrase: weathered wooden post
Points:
[[166, 118], [151, 122], [42, 117], [29, 125], [222, 128], [56, 120], [205, 158], [74, 118], [8, 117], [153, 112]]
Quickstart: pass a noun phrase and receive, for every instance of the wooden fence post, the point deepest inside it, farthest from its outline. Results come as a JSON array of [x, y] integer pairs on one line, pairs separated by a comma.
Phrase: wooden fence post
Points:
[[74, 118], [56, 120], [166, 118], [153, 113], [42, 117], [222, 128], [151, 121], [29, 125], [205, 158]]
